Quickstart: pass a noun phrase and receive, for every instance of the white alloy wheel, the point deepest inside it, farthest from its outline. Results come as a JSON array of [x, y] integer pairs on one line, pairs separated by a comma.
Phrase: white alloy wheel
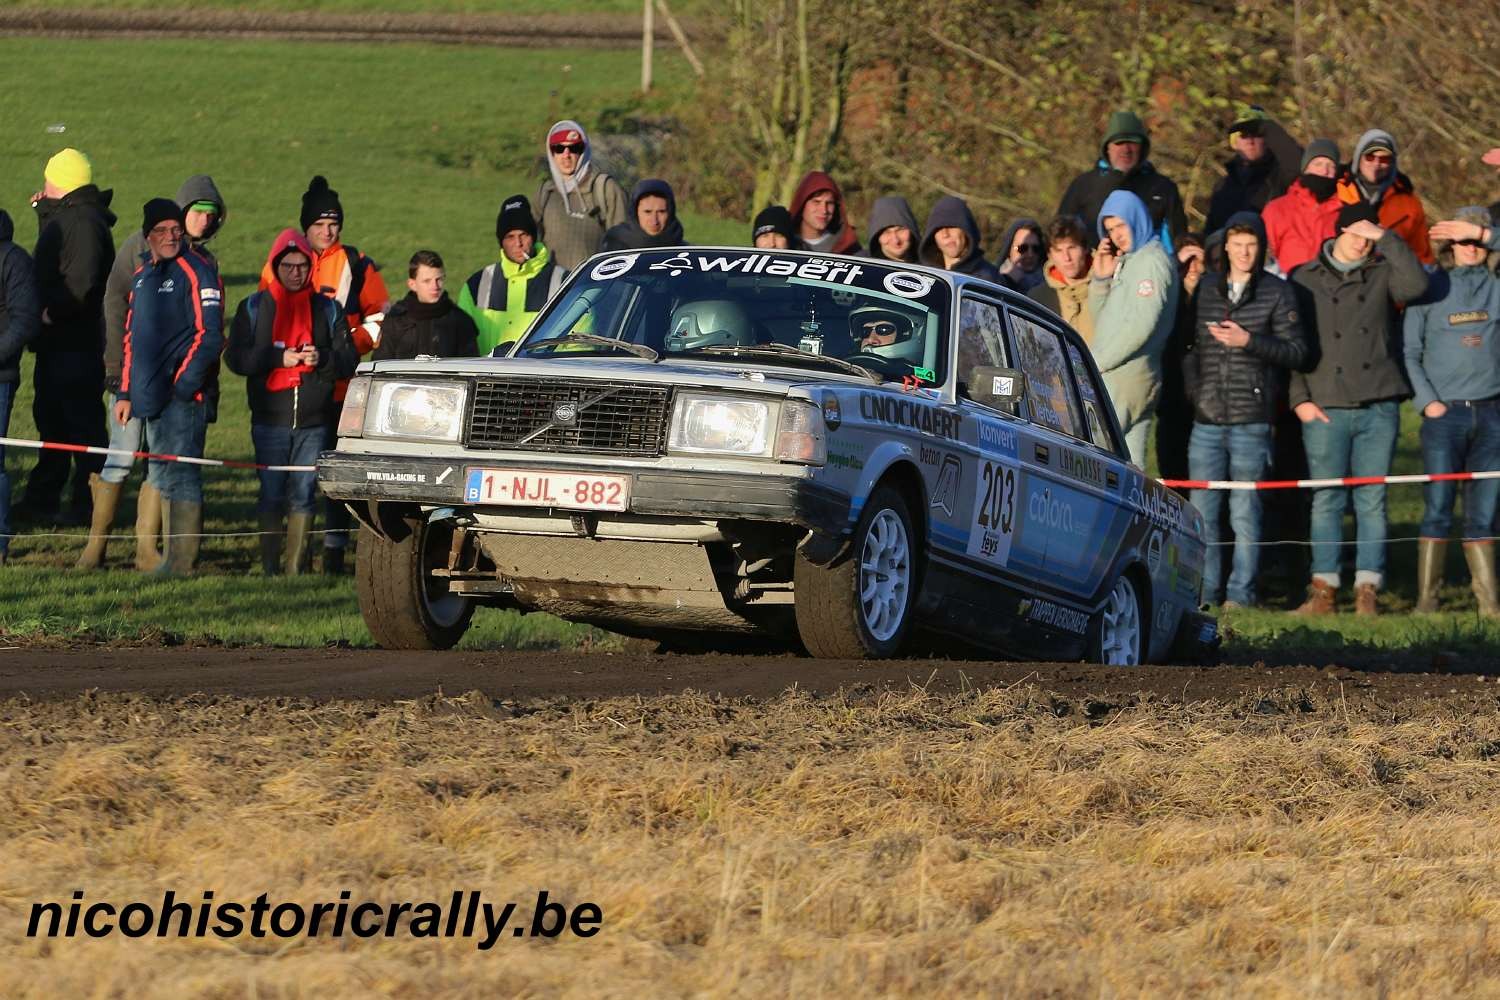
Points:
[[1120, 630], [885, 575]]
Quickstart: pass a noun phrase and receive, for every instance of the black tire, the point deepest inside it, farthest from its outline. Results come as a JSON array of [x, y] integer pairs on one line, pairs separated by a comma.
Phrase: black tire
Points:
[[832, 620], [404, 607], [1117, 650]]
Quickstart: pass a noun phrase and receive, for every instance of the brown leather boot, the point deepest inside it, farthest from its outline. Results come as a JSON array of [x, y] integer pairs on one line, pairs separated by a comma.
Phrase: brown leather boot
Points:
[[1481, 559], [147, 528], [1320, 599], [1364, 600], [106, 498], [1430, 552]]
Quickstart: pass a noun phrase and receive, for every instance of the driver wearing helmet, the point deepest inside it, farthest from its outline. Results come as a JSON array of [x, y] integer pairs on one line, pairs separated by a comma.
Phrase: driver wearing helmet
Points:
[[873, 327]]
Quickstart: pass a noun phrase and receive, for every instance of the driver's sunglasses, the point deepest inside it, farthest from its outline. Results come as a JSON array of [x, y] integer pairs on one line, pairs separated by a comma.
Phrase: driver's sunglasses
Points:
[[883, 328], [576, 148]]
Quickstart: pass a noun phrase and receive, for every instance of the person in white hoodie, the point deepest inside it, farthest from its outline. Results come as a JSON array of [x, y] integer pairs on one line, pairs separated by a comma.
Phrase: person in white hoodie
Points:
[[577, 203]]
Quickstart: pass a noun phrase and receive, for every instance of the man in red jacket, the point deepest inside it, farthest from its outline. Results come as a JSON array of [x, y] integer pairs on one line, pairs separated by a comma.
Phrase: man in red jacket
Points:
[[1298, 223]]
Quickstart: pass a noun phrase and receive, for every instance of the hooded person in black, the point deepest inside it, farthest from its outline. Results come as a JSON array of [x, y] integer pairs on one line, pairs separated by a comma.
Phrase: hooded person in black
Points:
[[772, 229], [1136, 174], [20, 323], [653, 225], [1012, 262], [888, 216], [1265, 162], [951, 241]]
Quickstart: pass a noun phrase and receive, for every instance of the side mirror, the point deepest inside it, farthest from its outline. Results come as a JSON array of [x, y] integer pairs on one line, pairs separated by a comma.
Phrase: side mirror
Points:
[[996, 387]]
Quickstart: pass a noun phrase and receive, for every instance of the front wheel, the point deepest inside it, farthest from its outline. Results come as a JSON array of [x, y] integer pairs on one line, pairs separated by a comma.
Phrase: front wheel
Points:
[[1118, 635], [403, 604], [860, 606]]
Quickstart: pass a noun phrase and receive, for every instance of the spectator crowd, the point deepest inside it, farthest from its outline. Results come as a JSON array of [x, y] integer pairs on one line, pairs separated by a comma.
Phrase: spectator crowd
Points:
[[1280, 341]]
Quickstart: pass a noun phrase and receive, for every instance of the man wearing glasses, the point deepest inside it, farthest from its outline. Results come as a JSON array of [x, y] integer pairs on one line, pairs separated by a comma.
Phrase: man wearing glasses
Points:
[[1373, 178], [577, 203]]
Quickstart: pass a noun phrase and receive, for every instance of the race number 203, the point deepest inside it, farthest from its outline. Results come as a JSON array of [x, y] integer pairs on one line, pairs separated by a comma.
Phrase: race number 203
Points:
[[529, 488], [994, 512]]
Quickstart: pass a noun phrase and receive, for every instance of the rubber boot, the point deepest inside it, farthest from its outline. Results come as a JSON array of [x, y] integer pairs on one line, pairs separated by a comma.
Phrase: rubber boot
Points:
[[106, 498], [182, 528], [1430, 552], [147, 528], [298, 552], [333, 561], [1481, 559], [272, 532]]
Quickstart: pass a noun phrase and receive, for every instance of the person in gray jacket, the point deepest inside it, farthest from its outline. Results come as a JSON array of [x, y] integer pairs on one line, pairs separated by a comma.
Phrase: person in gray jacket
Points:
[[1453, 359], [204, 212], [577, 202], [1349, 401], [893, 230]]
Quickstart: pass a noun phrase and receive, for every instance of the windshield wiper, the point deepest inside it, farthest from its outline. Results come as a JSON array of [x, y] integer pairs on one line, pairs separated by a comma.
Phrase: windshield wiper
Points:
[[787, 351], [639, 350]]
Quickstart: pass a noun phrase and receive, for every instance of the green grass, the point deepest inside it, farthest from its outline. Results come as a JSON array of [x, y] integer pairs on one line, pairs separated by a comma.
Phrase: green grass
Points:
[[517, 7]]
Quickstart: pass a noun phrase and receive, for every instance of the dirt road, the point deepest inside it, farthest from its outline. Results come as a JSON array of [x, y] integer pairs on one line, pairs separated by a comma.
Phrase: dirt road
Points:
[[43, 673]]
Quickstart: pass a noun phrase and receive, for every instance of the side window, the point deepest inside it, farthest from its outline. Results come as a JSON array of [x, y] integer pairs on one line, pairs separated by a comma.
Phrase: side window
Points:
[[981, 340], [1049, 384], [1092, 396]]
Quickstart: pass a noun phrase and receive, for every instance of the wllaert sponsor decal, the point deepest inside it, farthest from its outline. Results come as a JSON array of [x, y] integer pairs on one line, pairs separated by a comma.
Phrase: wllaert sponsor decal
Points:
[[915, 414], [816, 269]]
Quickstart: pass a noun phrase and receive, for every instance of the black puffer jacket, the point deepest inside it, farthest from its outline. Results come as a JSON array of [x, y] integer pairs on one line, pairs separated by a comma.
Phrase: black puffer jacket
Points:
[[413, 327], [1241, 385], [20, 313], [74, 252]]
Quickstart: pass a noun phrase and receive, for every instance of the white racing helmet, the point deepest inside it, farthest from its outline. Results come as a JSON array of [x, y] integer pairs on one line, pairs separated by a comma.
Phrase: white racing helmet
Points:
[[709, 323], [907, 347]]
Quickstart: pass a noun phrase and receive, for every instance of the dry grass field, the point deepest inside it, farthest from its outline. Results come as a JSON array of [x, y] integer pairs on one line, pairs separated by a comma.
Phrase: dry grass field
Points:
[[1005, 841]]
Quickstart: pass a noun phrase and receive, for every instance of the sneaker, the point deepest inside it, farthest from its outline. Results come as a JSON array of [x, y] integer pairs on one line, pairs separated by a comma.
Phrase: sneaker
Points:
[[1364, 600], [1320, 599]]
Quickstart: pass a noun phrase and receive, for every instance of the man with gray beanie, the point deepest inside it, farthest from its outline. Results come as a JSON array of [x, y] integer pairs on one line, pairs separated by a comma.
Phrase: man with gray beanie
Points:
[[1372, 178], [1300, 221]]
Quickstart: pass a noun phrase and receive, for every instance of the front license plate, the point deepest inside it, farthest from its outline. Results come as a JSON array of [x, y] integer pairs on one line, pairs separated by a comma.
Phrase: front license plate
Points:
[[529, 488]]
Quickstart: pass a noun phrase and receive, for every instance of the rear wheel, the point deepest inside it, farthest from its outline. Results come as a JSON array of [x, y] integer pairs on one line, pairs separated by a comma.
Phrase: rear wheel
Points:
[[403, 604], [1118, 634], [861, 605]]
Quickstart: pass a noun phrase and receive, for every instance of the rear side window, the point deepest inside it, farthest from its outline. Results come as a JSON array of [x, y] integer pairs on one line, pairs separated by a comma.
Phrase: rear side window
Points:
[[1050, 394], [981, 341], [1093, 399]]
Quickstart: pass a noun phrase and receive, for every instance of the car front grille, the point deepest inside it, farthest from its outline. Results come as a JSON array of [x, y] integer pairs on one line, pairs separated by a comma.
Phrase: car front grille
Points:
[[531, 414]]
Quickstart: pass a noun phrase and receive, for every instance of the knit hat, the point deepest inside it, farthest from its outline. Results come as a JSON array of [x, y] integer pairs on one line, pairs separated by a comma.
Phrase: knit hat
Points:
[[157, 211], [772, 219], [515, 213], [69, 170], [320, 201], [1358, 212], [1317, 148]]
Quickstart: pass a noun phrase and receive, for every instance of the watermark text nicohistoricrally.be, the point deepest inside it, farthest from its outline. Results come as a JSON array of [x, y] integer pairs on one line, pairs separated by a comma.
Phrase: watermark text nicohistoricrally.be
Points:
[[465, 914]]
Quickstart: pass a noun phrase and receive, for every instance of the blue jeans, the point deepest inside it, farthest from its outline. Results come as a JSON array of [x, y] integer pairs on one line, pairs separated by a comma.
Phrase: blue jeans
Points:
[[1357, 441], [178, 430], [294, 492], [7, 400], [1465, 439], [123, 437], [1230, 451]]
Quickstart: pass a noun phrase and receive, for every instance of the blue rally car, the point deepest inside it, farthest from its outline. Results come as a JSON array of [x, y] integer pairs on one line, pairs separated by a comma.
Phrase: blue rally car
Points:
[[699, 444]]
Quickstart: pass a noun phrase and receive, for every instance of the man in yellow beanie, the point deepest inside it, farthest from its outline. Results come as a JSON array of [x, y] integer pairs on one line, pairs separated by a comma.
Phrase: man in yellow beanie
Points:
[[74, 252]]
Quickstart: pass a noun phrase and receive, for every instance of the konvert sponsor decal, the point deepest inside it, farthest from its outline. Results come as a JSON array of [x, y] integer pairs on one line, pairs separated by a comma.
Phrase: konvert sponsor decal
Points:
[[996, 437], [914, 413]]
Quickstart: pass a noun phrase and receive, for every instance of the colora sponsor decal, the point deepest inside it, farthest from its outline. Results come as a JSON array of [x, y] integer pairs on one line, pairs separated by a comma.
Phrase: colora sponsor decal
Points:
[[816, 269], [907, 284], [914, 413], [613, 267]]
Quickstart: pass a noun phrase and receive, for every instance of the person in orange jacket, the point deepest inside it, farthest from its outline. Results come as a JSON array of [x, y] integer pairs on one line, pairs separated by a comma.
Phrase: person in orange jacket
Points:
[[1372, 178], [353, 280]]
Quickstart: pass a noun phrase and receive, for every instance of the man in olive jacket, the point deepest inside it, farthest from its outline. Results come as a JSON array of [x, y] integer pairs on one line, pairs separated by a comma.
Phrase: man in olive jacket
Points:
[[1349, 402]]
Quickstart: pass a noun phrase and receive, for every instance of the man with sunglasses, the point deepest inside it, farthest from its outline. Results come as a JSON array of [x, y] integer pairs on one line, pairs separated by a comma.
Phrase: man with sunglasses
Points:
[[1372, 178], [1263, 166], [1025, 250], [577, 203]]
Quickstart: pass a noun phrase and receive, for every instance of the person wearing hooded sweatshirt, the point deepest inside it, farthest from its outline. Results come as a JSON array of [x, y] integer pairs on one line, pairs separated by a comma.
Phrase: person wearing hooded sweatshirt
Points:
[[1260, 169], [1125, 164], [1452, 348], [292, 344], [1247, 338], [893, 231], [951, 241], [503, 298], [1023, 256], [1349, 401], [20, 325], [820, 218], [772, 229], [74, 251], [1372, 178], [173, 337], [204, 212], [577, 203], [1133, 298], [653, 220], [1300, 221], [1065, 280], [427, 321]]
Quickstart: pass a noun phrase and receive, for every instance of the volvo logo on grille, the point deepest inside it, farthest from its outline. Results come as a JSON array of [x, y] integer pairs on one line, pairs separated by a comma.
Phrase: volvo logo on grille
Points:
[[565, 413]]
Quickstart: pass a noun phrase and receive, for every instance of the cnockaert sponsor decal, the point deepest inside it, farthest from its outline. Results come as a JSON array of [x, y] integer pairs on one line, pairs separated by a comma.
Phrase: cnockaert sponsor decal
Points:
[[914, 414]]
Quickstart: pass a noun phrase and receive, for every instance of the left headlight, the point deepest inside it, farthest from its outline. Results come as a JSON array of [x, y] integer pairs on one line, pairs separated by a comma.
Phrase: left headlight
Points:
[[429, 411], [721, 425]]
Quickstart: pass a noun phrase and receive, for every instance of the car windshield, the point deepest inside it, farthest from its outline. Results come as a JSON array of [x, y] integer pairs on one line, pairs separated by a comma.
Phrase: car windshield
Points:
[[751, 307]]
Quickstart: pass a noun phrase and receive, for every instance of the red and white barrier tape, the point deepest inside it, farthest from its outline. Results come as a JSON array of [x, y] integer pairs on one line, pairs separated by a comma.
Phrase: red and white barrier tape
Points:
[[1317, 484], [89, 449]]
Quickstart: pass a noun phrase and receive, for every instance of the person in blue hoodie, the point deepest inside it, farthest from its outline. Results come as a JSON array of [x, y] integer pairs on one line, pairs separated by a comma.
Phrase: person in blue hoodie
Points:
[[1133, 299], [1452, 350], [174, 333]]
